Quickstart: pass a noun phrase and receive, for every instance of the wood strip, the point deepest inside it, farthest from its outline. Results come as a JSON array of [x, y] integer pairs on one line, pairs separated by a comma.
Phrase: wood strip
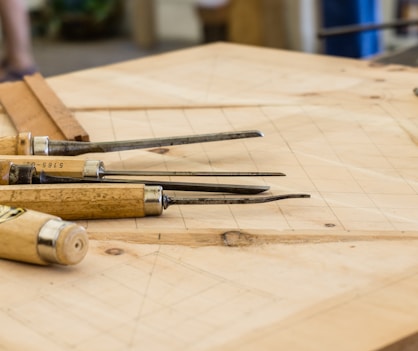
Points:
[[237, 238], [25, 112], [32, 106], [55, 108]]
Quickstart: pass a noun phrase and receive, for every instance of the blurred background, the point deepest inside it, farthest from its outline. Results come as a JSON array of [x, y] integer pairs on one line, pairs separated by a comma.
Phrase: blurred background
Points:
[[70, 35]]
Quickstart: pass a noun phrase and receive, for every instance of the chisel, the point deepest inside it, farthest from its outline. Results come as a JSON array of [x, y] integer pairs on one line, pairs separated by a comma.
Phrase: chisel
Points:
[[25, 144], [107, 201], [12, 174], [36, 237], [69, 166]]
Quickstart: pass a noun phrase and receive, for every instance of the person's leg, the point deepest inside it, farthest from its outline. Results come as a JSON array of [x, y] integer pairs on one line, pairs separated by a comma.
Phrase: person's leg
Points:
[[16, 37]]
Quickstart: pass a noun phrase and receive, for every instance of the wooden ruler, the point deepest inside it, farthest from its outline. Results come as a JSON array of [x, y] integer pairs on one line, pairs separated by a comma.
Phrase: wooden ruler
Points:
[[34, 107]]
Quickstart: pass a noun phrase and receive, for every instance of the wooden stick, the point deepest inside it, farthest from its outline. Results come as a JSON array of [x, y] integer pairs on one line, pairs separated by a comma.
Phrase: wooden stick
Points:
[[239, 238], [33, 107]]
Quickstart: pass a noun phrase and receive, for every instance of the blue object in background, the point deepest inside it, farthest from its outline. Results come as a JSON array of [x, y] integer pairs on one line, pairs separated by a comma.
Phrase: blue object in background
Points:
[[337, 13]]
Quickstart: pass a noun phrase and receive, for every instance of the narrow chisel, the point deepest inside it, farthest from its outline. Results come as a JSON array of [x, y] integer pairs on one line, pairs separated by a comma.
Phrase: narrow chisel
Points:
[[25, 144], [43, 178], [11, 174], [106, 201], [68, 166]]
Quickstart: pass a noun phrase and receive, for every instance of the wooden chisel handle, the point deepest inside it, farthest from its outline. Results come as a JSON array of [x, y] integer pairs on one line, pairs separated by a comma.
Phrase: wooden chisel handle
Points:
[[10, 174], [86, 201], [66, 166], [36, 237], [20, 144]]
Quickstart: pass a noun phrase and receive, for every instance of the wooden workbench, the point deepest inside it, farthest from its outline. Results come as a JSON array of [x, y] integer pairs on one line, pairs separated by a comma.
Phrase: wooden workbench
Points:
[[338, 271]]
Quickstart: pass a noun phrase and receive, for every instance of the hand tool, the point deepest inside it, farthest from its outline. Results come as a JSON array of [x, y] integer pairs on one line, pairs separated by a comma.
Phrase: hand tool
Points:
[[11, 174], [106, 201], [35, 237], [70, 166], [25, 144], [43, 178]]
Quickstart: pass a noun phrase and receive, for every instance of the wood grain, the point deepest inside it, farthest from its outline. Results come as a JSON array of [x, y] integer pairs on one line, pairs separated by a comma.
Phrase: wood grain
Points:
[[78, 201], [336, 271], [55, 109], [235, 238], [34, 107], [53, 165], [9, 145]]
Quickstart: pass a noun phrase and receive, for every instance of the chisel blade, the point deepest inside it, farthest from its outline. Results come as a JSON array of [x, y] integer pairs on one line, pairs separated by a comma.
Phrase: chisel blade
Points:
[[229, 200], [43, 178], [190, 173], [73, 148]]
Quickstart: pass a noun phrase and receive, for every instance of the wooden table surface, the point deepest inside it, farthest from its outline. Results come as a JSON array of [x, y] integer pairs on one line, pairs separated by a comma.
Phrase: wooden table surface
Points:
[[338, 271]]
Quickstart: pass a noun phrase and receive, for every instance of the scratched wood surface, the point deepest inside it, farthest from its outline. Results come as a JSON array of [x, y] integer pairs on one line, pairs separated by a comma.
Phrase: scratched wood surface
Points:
[[336, 271]]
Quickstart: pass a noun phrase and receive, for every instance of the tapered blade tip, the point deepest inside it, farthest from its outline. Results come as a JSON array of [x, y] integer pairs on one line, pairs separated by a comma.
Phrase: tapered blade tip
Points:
[[258, 133], [256, 189], [281, 197], [232, 200]]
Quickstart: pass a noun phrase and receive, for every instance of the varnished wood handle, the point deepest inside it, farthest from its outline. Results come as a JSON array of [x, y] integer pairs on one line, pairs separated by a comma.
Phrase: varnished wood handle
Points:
[[5, 167], [10, 174], [66, 166], [20, 144], [36, 237], [86, 201]]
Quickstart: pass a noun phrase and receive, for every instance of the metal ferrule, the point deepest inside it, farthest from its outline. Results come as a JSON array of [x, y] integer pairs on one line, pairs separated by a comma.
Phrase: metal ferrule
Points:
[[93, 168], [41, 145], [22, 174], [47, 239], [153, 200]]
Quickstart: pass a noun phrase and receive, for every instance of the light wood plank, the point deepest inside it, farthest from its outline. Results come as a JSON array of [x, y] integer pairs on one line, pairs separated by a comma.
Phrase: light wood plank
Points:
[[337, 271]]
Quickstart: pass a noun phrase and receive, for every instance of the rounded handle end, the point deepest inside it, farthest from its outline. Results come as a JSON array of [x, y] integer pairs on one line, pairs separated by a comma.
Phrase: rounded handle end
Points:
[[72, 245], [62, 242]]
